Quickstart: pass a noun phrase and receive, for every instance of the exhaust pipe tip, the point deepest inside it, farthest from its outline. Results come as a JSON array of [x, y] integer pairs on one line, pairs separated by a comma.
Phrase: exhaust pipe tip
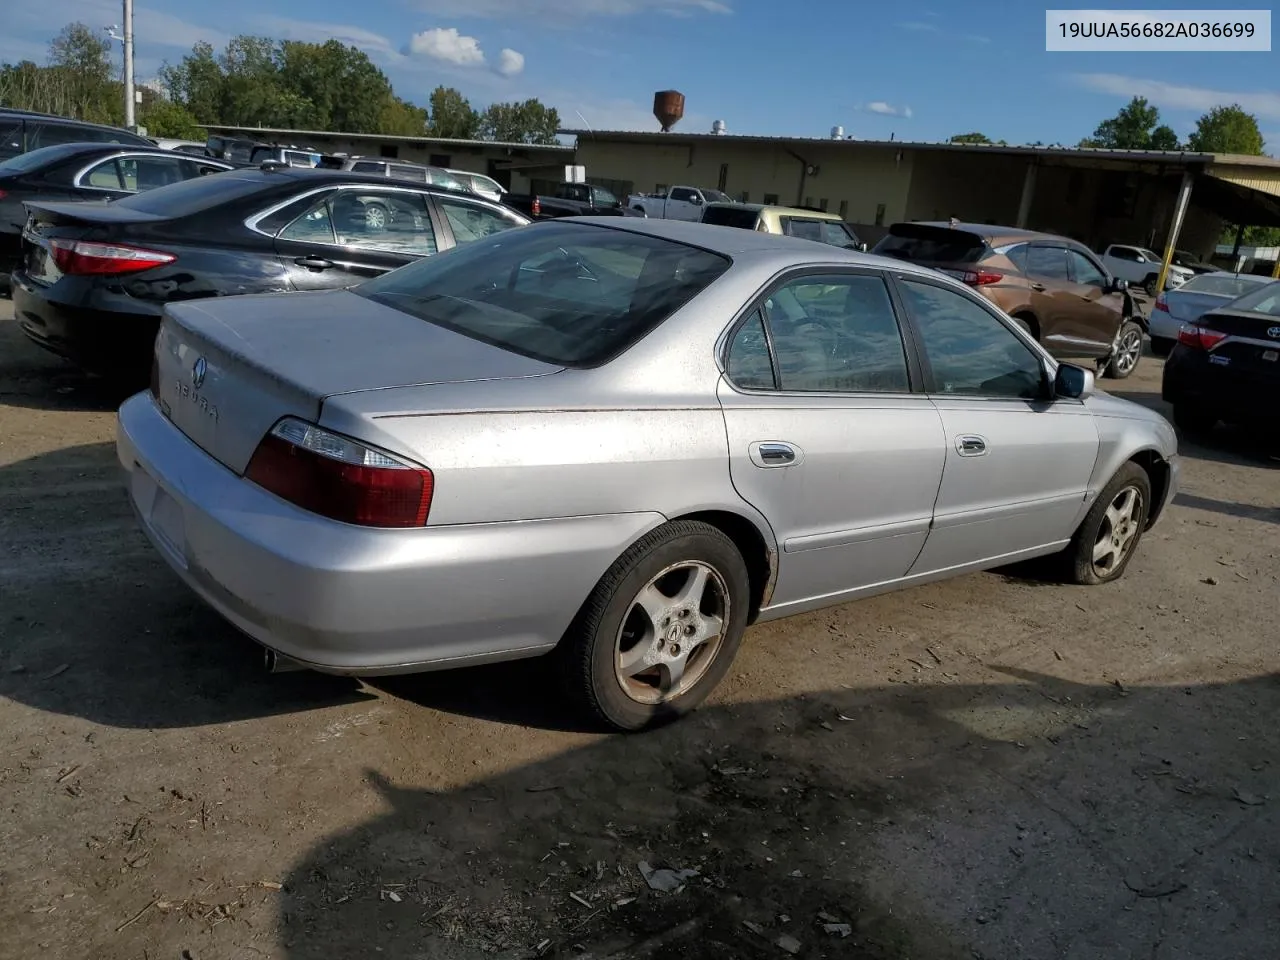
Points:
[[279, 663]]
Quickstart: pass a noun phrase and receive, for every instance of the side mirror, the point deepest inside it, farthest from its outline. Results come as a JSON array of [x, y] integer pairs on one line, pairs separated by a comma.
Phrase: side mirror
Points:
[[1117, 285], [1072, 383], [862, 246], [696, 200]]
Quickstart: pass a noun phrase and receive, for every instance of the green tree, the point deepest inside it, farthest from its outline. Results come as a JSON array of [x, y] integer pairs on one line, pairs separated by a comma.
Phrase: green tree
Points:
[[347, 90], [451, 115], [80, 67], [527, 122], [1227, 130], [197, 83], [164, 118], [1136, 127], [974, 137]]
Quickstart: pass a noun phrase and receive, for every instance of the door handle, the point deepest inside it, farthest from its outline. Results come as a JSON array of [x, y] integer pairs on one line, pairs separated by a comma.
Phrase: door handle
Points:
[[314, 263], [971, 446], [1038, 287], [774, 454]]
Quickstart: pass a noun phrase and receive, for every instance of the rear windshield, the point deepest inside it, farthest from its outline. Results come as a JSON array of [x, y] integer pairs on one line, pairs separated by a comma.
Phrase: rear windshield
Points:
[[1264, 300], [1222, 284], [191, 196], [731, 217], [565, 293], [925, 244], [32, 159]]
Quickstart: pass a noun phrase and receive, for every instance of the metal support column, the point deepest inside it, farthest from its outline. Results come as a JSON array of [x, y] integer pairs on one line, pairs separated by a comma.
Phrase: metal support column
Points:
[[1179, 211], [1028, 193], [128, 65]]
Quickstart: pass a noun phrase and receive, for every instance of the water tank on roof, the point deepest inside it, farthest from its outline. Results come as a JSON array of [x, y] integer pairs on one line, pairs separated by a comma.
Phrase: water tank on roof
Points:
[[718, 127], [668, 107], [837, 133]]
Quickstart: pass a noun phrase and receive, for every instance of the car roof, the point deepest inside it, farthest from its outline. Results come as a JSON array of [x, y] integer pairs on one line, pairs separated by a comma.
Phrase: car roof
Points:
[[68, 121], [775, 208], [988, 231], [323, 175]]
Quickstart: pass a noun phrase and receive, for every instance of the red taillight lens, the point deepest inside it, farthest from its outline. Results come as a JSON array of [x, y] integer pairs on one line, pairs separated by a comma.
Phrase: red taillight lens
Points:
[[1198, 338], [84, 258], [1162, 303], [339, 478], [980, 278], [536, 207]]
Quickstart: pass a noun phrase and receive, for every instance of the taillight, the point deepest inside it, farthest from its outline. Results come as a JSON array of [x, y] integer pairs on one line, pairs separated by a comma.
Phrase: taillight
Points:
[[1162, 303], [980, 278], [536, 207], [3, 194], [339, 478], [1198, 338], [85, 258]]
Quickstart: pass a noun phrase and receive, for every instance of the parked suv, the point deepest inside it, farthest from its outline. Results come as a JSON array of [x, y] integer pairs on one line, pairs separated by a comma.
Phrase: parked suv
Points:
[[24, 130], [400, 170], [1055, 288], [479, 184], [799, 222]]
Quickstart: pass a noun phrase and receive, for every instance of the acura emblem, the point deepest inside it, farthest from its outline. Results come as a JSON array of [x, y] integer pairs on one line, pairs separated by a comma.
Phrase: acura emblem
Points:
[[1273, 333], [198, 371]]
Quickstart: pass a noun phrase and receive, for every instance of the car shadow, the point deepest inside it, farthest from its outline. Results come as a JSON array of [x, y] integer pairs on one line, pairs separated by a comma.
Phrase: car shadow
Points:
[[1225, 444], [94, 623], [1032, 817]]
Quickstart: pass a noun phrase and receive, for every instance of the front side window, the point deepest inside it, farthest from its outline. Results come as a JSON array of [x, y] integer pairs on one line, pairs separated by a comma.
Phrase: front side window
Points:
[[1048, 263], [371, 220], [837, 334], [682, 193], [970, 351], [471, 221], [566, 293], [1084, 270]]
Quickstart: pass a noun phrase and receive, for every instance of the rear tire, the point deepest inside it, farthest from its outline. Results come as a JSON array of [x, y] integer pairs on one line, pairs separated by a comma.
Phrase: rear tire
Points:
[[660, 629], [1149, 284], [1194, 421], [1128, 351], [1028, 323], [1108, 537], [1162, 346]]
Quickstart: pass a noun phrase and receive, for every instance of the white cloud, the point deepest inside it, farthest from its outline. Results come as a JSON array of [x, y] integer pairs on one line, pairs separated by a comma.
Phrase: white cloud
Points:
[[510, 62], [309, 31], [539, 9], [887, 109], [1173, 96], [919, 26], [448, 45]]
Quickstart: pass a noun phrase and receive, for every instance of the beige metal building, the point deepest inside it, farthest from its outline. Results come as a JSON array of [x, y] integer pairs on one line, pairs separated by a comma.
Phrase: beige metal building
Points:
[[511, 164], [1095, 196]]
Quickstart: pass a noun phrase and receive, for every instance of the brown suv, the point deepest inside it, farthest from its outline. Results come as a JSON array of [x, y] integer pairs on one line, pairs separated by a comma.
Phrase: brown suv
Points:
[[1054, 287]]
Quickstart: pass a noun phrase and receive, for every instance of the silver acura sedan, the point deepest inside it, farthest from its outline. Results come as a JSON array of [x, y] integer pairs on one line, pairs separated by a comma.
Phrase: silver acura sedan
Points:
[[622, 441]]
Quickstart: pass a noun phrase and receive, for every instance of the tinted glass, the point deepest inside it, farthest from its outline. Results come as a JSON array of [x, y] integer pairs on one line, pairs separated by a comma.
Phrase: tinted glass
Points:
[[566, 293], [1124, 253], [804, 229], [147, 173], [731, 217], [403, 172], [970, 351], [748, 363], [49, 134], [105, 176], [1265, 300], [837, 334], [391, 222], [1048, 263], [603, 198], [926, 244], [1084, 271], [1222, 284], [715, 196], [10, 136], [367, 166], [837, 234], [193, 196], [681, 193], [471, 221], [1017, 254], [34, 159]]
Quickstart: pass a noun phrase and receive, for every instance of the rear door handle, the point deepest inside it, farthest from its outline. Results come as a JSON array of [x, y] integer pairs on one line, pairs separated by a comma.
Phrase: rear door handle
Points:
[[1038, 287], [314, 263], [971, 446], [774, 453]]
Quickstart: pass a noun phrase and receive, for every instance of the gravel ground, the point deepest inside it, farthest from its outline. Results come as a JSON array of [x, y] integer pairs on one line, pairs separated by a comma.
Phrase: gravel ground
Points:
[[994, 767]]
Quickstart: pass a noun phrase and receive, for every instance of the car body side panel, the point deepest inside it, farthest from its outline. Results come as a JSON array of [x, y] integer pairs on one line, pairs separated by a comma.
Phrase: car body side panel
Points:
[[1126, 430]]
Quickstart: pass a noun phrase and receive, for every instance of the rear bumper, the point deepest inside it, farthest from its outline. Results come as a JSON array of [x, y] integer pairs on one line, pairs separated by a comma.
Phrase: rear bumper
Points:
[[353, 600], [100, 341], [1230, 393]]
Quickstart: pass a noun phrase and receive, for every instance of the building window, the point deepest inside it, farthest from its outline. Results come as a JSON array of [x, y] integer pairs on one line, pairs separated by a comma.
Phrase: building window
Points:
[[844, 209], [441, 160], [724, 176], [808, 202], [659, 188], [822, 204], [879, 214], [770, 199], [390, 151]]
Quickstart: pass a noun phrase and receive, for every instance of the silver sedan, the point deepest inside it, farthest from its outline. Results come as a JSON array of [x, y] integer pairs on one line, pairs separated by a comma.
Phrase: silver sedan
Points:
[[621, 441]]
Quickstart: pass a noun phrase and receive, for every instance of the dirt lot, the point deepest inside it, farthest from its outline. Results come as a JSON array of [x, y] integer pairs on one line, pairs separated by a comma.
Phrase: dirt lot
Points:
[[994, 767]]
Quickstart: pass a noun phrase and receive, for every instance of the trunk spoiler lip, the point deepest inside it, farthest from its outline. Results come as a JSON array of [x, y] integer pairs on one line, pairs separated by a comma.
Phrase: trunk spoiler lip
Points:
[[71, 211]]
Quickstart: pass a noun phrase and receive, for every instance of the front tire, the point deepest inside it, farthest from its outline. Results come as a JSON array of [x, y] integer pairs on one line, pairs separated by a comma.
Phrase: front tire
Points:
[[660, 629], [1128, 351], [1108, 537]]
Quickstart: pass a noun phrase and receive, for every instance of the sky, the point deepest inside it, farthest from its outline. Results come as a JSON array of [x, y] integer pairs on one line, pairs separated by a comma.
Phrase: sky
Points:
[[916, 70]]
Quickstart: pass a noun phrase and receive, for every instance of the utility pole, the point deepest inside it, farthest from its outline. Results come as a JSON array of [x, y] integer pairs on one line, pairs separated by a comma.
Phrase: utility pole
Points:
[[126, 41]]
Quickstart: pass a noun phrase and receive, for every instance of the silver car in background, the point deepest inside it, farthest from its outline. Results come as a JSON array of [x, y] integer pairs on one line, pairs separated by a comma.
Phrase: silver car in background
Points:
[[1175, 308], [622, 441]]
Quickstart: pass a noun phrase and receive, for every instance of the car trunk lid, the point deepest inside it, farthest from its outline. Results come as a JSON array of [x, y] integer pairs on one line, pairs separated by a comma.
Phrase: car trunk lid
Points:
[[1186, 306], [227, 370], [1253, 344]]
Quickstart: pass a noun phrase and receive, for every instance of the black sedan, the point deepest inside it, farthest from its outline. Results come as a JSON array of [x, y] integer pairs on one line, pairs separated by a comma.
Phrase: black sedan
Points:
[[1226, 365], [84, 171], [95, 278]]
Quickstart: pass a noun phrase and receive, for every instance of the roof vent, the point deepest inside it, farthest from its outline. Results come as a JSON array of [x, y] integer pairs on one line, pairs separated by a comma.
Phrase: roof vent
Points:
[[837, 132], [718, 128]]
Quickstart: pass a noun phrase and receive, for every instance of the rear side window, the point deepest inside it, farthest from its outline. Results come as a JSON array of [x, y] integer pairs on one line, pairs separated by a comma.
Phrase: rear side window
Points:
[[731, 217], [565, 293], [367, 166], [925, 244], [10, 136], [403, 172], [1049, 263], [51, 134]]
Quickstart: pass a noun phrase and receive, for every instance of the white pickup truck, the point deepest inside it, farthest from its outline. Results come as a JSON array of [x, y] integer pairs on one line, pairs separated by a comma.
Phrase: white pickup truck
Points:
[[1141, 267], [678, 203]]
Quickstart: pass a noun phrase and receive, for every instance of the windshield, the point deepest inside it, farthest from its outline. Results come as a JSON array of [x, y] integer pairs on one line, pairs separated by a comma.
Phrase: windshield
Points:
[[33, 159], [1264, 300], [1150, 255], [191, 196], [565, 293], [1223, 284], [927, 244]]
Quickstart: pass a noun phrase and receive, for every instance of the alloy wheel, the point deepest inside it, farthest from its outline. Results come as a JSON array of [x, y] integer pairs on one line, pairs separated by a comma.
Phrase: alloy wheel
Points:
[[1128, 351], [1118, 532]]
